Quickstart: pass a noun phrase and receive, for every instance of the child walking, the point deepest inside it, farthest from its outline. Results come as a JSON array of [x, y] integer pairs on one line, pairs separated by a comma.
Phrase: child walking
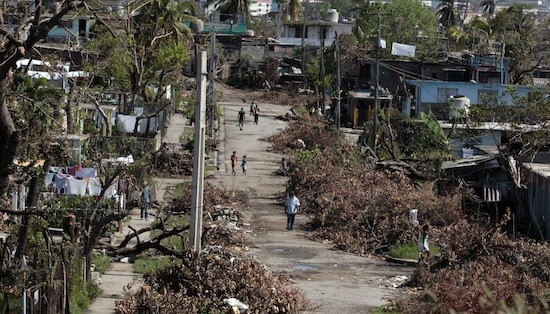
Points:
[[243, 165], [233, 162]]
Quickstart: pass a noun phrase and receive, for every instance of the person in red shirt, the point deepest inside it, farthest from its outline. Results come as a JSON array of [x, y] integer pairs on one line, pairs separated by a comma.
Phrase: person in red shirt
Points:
[[233, 162]]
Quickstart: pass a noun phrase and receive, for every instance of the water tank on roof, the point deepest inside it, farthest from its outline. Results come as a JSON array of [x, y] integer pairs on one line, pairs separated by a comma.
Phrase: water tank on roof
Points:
[[460, 106], [332, 16]]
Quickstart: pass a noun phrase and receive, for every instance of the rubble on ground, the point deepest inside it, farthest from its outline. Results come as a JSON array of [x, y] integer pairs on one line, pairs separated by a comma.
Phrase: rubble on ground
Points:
[[200, 283]]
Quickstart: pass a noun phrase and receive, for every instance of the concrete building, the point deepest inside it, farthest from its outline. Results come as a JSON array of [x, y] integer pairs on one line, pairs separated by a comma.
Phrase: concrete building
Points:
[[259, 7]]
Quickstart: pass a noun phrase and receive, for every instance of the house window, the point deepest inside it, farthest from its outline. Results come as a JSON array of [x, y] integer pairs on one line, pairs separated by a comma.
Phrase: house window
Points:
[[298, 33], [443, 94], [323, 33], [487, 96]]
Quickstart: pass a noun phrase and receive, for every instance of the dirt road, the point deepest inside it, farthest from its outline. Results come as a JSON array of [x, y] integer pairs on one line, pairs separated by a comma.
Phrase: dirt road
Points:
[[334, 281]]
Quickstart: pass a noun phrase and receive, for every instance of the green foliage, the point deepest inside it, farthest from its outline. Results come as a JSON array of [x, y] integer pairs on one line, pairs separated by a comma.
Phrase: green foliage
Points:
[[435, 128], [82, 292], [149, 53], [80, 202], [37, 115], [404, 21], [150, 264], [447, 13], [525, 36], [345, 7], [313, 71], [306, 157], [114, 49], [102, 263], [402, 138], [10, 302], [532, 108], [409, 251], [170, 57]]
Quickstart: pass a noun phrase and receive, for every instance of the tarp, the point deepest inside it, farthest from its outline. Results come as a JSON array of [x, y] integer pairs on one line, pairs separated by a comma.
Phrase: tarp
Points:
[[398, 49], [126, 123]]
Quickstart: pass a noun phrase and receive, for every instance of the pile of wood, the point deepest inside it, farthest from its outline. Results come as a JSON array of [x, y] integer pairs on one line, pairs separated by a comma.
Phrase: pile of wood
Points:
[[172, 164], [201, 282], [365, 210], [212, 197]]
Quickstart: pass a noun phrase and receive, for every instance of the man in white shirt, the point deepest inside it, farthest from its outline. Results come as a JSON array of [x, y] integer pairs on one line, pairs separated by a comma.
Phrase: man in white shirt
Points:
[[292, 205]]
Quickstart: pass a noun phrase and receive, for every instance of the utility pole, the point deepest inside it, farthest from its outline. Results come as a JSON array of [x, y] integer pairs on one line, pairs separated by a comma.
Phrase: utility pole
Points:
[[304, 26], [502, 52], [376, 86], [210, 94], [338, 79], [322, 72], [195, 231]]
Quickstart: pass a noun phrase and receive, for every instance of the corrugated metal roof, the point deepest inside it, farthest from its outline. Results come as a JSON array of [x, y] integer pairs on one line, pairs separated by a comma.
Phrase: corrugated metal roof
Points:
[[467, 162], [540, 169]]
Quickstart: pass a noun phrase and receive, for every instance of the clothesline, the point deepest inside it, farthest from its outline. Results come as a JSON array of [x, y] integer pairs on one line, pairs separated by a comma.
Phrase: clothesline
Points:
[[77, 181]]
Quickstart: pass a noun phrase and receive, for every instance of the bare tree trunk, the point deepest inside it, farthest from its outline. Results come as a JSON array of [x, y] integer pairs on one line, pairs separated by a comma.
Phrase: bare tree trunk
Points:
[[32, 199], [9, 138], [68, 108], [26, 221]]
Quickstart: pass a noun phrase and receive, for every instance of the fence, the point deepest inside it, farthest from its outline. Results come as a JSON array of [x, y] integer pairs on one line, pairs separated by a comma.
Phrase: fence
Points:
[[44, 283]]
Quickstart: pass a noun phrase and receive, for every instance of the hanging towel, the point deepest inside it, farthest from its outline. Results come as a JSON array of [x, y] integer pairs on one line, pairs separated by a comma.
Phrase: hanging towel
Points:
[[126, 123], [94, 186], [111, 190], [76, 186], [86, 173], [49, 178], [72, 170], [60, 181], [398, 49]]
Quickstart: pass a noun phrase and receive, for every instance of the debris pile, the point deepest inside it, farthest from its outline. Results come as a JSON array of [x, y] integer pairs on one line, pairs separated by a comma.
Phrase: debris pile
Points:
[[211, 197], [364, 210], [219, 279], [200, 283], [170, 164], [337, 188], [482, 271], [311, 133], [222, 228]]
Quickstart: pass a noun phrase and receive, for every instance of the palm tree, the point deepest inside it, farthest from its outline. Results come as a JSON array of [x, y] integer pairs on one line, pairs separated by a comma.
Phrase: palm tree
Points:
[[483, 32], [447, 13], [234, 7], [294, 7], [164, 18], [158, 25]]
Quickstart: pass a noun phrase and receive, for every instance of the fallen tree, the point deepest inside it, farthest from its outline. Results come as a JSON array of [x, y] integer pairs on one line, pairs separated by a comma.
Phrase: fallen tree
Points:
[[363, 209]]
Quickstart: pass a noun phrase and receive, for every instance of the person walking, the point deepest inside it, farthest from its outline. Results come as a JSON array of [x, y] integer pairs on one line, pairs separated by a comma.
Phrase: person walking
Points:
[[256, 114], [233, 162], [243, 165], [241, 119], [292, 205], [423, 246], [145, 202], [251, 109]]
